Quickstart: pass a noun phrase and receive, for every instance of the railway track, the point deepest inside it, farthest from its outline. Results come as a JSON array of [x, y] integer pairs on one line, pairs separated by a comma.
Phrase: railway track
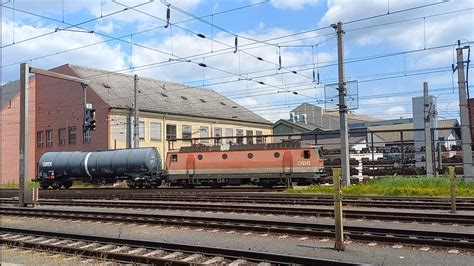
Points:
[[419, 217], [138, 251], [358, 233], [463, 203]]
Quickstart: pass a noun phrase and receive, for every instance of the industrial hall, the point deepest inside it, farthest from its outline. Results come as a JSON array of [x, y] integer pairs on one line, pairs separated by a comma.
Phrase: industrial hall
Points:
[[166, 111]]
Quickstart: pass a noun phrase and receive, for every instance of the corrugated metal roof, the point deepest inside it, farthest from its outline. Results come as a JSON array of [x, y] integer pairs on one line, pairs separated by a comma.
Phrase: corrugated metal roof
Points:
[[165, 97], [9, 91]]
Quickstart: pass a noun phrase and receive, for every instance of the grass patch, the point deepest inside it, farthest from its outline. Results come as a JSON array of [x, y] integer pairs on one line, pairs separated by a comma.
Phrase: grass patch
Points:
[[13, 185], [397, 186]]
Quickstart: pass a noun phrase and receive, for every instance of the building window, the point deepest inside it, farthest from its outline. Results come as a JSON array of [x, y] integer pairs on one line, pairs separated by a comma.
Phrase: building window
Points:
[[187, 132], [170, 131], [240, 136], [39, 139], [141, 129], [62, 136], [229, 132], [49, 138], [259, 137], [155, 130], [204, 133], [218, 134], [72, 135], [249, 137], [87, 136]]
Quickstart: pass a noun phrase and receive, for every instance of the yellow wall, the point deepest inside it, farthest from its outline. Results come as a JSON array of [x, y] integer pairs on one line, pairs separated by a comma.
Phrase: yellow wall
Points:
[[118, 130]]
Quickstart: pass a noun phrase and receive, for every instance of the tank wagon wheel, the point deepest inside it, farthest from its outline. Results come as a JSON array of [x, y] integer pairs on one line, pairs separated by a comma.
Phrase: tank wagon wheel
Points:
[[67, 184], [56, 185]]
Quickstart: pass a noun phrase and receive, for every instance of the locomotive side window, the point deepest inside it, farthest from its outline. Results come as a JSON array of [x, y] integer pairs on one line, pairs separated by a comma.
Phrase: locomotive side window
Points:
[[276, 155], [224, 156], [306, 154], [200, 157], [250, 155], [174, 158]]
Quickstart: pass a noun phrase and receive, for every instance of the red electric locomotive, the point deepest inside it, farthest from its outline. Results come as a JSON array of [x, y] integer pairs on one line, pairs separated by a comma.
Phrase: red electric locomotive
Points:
[[265, 165]]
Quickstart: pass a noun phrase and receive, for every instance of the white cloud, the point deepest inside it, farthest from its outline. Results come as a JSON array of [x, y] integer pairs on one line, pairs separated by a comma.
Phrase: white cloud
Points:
[[106, 27], [102, 55], [413, 34], [291, 4]]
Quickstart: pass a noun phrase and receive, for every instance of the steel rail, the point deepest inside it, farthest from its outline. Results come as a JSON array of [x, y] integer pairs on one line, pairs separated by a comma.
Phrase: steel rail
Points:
[[137, 250], [281, 200], [386, 235], [420, 217]]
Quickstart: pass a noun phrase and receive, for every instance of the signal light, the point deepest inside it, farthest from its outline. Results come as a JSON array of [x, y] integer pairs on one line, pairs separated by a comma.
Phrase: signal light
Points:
[[89, 119]]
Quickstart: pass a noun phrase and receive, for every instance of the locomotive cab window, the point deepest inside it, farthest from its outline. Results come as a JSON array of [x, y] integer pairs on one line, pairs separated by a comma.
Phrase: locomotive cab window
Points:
[[174, 158], [306, 154]]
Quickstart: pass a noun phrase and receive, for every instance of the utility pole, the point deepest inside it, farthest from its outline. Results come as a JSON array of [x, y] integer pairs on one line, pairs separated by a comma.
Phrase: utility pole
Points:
[[345, 166], [136, 132], [465, 123], [24, 91], [428, 144], [129, 128]]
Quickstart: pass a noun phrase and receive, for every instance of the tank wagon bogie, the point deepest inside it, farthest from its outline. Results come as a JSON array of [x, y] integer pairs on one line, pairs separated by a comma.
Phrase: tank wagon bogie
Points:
[[263, 165], [60, 169]]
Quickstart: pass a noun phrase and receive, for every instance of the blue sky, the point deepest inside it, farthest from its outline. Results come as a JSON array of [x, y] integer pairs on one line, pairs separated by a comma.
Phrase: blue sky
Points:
[[382, 92]]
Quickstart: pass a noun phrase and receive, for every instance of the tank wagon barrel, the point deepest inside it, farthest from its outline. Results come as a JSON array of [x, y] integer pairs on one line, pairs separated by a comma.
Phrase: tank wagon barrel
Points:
[[58, 169]]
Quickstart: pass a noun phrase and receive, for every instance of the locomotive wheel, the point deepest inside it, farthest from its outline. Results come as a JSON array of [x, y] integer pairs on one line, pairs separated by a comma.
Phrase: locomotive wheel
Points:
[[139, 184], [44, 185], [146, 184], [131, 184]]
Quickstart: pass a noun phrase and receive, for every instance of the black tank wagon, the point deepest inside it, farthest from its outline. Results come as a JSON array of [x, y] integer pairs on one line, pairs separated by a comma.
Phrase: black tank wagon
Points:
[[140, 167]]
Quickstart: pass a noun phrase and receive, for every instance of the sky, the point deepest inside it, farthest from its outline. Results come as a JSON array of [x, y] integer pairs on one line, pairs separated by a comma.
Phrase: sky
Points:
[[390, 47]]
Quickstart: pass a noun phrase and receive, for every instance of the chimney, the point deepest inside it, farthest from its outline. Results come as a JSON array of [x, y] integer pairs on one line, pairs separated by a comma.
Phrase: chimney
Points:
[[304, 118]]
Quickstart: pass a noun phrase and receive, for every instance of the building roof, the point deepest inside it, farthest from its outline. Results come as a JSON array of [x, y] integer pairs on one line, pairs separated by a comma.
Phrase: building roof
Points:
[[408, 135], [354, 117], [302, 126], [9, 91], [164, 97]]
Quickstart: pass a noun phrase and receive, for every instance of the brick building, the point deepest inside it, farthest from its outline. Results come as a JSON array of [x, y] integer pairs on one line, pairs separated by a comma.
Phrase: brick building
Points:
[[9, 131]]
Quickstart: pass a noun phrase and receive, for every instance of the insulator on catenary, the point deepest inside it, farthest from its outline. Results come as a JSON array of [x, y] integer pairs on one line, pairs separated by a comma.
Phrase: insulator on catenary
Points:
[[201, 35], [279, 58], [168, 16], [236, 43]]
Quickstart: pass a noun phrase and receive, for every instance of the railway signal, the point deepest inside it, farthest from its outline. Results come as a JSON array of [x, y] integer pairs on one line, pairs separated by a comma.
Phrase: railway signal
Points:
[[89, 119]]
